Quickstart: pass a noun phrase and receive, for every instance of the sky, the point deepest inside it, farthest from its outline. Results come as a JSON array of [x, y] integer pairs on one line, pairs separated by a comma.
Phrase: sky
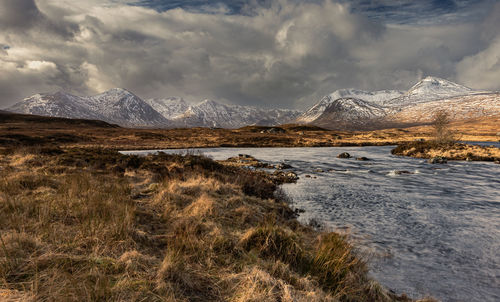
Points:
[[265, 53]]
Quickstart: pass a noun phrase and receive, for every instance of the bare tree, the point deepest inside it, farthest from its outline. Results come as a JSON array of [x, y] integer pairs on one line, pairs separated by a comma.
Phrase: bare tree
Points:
[[441, 125]]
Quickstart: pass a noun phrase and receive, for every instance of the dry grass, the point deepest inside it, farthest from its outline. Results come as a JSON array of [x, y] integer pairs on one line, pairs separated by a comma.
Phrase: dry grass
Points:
[[93, 225], [453, 151]]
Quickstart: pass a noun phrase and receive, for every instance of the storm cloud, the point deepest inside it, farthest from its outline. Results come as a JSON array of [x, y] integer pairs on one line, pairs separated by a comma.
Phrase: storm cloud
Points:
[[281, 53]]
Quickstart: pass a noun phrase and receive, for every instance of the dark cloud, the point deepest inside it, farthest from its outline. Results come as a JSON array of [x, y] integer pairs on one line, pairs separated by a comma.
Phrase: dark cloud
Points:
[[19, 14], [273, 54]]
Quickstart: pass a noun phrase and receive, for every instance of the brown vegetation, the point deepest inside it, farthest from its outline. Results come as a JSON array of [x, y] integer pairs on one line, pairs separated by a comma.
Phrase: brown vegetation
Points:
[[453, 151]]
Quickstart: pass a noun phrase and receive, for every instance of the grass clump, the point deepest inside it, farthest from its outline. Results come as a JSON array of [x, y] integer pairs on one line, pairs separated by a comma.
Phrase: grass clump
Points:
[[337, 268], [274, 242]]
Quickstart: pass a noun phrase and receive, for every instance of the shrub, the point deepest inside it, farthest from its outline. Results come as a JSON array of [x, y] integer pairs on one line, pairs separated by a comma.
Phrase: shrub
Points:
[[441, 125]]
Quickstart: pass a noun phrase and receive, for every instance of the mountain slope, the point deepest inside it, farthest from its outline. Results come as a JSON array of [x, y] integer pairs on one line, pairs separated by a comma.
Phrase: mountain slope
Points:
[[57, 105], [350, 114], [459, 108], [170, 108]]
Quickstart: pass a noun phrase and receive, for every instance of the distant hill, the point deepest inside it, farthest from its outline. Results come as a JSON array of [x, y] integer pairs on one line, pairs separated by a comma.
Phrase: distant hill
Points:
[[9, 117]]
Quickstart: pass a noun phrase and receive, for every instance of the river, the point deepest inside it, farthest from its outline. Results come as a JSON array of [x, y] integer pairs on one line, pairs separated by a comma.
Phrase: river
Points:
[[427, 229]]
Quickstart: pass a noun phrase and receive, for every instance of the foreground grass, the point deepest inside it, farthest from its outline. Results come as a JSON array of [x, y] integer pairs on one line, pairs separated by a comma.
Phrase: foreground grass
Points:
[[93, 225]]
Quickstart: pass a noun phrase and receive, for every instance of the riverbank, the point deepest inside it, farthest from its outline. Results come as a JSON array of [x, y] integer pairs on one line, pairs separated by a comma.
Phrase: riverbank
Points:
[[448, 151], [91, 224]]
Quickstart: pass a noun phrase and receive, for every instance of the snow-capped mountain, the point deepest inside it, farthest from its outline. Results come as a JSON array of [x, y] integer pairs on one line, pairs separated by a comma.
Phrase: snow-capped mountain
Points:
[[369, 96], [352, 109], [350, 113], [209, 113], [429, 89], [59, 105], [365, 99], [117, 106]]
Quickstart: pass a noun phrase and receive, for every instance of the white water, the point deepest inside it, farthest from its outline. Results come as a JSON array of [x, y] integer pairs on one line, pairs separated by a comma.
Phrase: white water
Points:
[[435, 231]]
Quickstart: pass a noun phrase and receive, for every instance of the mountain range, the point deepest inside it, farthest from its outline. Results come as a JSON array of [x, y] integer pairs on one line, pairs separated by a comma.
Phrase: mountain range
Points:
[[122, 107], [344, 109]]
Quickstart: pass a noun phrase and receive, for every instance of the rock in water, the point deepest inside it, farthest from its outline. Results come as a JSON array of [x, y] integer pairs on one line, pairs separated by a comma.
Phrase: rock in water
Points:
[[400, 172], [344, 155], [285, 177], [437, 160], [283, 166]]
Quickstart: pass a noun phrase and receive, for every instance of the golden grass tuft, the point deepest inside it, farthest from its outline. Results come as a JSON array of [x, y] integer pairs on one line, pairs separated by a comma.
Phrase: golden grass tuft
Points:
[[274, 242], [258, 285]]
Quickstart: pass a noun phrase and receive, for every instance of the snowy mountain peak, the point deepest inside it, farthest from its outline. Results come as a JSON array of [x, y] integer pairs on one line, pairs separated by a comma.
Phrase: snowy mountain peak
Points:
[[116, 93], [346, 97], [209, 103], [434, 84], [429, 89]]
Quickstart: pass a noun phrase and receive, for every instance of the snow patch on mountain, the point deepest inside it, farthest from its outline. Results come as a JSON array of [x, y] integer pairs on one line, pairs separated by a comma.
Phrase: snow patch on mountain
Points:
[[170, 108]]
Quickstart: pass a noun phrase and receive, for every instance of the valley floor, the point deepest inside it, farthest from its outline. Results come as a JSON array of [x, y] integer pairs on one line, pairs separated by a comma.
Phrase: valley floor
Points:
[[25, 130]]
